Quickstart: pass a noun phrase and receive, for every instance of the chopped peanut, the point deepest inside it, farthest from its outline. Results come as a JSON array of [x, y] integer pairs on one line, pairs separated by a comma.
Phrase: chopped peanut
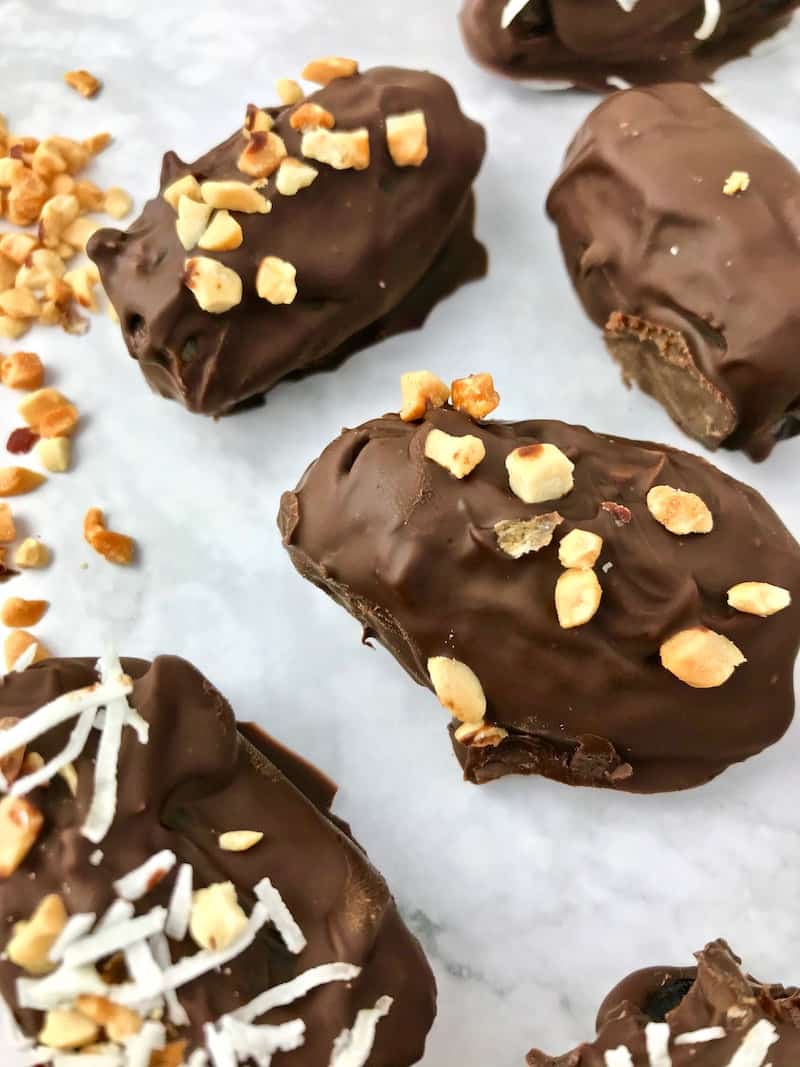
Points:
[[118, 1022], [421, 390], [458, 688], [480, 735], [115, 547], [14, 481], [97, 143], [223, 234], [311, 116], [18, 613], [235, 196], [83, 82], [256, 121], [32, 554], [759, 598], [67, 1030], [580, 549], [90, 196], [262, 154], [216, 287], [275, 280], [539, 472], [186, 186], [192, 221], [13, 329], [11, 764], [217, 918], [679, 512], [239, 840], [407, 138], [32, 939], [8, 530], [329, 68], [77, 234], [518, 537], [294, 175], [117, 203], [21, 823], [738, 181], [56, 214], [22, 370], [19, 304], [475, 395], [578, 596], [459, 455], [35, 406], [289, 92], [82, 282], [173, 1054], [340, 149], [19, 641], [701, 657]]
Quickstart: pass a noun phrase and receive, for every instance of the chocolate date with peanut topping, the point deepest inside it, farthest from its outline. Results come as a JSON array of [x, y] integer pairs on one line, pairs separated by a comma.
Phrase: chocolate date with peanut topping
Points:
[[175, 889], [318, 228], [592, 609], [593, 44], [710, 1015], [679, 226]]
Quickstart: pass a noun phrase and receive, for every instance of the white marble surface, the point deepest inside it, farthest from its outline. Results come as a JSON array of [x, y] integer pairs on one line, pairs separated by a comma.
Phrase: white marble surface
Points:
[[531, 899]]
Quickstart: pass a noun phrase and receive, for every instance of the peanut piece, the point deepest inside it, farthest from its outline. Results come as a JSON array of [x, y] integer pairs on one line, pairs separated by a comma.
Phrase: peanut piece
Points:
[[115, 547], [62, 184], [39, 269], [32, 939], [117, 203], [738, 181], [8, 530], [8, 272], [580, 550], [21, 823], [475, 395], [22, 370], [539, 472], [77, 234], [217, 918], [223, 235], [32, 554], [256, 121], [35, 406], [459, 455], [407, 138], [578, 596], [19, 641], [11, 764], [26, 199], [118, 1022], [518, 537], [19, 304], [294, 175], [235, 196], [275, 280], [67, 1030], [81, 282], [327, 69], [239, 840], [342, 150], [192, 221], [96, 143], [420, 390], [188, 185], [216, 287], [14, 481], [57, 213], [17, 612], [700, 657], [83, 82], [262, 154], [458, 688], [480, 735], [759, 598], [679, 512], [13, 329], [311, 116], [289, 92]]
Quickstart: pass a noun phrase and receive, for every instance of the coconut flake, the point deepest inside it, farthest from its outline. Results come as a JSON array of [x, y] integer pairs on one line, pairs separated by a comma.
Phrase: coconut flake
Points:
[[281, 917], [141, 1046], [352, 1047], [142, 966], [163, 957], [199, 1058], [697, 1037], [710, 20], [288, 992], [104, 800], [755, 1045], [119, 912], [61, 988], [179, 912], [71, 751], [618, 1057], [115, 938], [656, 1037], [259, 1043], [77, 926], [22, 662], [627, 5], [97, 857], [139, 882], [511, 11], [219, 1047]]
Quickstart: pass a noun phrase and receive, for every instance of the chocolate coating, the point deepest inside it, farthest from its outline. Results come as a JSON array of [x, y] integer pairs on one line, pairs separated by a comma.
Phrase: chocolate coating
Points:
[[374, 250], [715, 993], [586, 42], [411, 552], [696, 289], [197, 778]]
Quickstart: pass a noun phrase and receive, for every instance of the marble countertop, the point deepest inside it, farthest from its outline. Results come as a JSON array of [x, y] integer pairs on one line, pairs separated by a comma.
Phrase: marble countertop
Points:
[[531, 899]]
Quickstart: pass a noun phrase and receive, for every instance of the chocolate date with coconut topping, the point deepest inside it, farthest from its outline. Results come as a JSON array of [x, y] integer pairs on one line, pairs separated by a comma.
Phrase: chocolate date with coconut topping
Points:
[[180, 884], [580, 604], [315, 230], [595, 44], [702, 311], [710, 1015]]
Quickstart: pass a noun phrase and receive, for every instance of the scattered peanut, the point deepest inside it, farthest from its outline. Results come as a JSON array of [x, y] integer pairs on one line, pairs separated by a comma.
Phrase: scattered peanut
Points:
[[192, 221], [54, 453], [239, 840], [289, 92], [14, 481], [11, 764], [275, 280], [701, 657], [342, 150], [311, 116], [235, 196], [83, 82], [22, 370], [216, 287], [738, 181], [118, 204], [19, 304], [17, 612], [32, 939], [21, 823], [217, 918], [327, 69], [294, 175], [407, 138], [19, 641], [115, 547], [459, 455], [37, 406], [539, 472], [187, 186], [223, 234], [580, 549], [474, 395], [578, 596], [8, 529], [458, 688], [32, 554], [518, 537], [256, 121], [67, 1030], [421, 390], [480, 735], [118, 1022], [679, 512], [262, 154], [759, 598]]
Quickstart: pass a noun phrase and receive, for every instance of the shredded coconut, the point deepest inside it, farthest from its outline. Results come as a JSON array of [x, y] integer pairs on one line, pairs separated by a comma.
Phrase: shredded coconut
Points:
[[755, 1045], [73, 749], [697, 1037], [352, 1047], [142, 966], [59, 988], [618, 1057], [288, 992], [656, 1037], [180, 904], [115, 938], [710, 20], [141, 1046], [281, 917], [77, 927], [120, 911], [258, 1043], [138, 882], [627, 5], [219, 1046], [163, 957], [512, 9]]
